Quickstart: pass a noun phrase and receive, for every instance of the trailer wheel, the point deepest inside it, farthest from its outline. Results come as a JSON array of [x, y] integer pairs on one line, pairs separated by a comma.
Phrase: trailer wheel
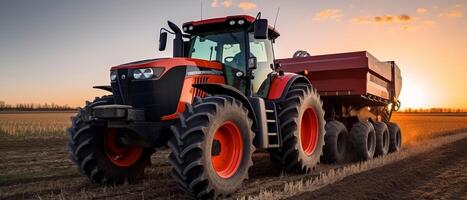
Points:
[[395, 137], [382, 138], [301, 121], [97, 153], [336, 140], [363, 140], [212, 147]]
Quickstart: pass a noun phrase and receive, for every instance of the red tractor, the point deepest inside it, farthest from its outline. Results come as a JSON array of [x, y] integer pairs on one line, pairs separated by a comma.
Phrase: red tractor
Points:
[[221, 97]]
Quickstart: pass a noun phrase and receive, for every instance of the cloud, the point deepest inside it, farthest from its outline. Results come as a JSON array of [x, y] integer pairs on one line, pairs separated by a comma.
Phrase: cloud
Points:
[[328, 14], [422, 10], [224, 3], [214, 4], [246, 5], [452, 14], [403, 18]]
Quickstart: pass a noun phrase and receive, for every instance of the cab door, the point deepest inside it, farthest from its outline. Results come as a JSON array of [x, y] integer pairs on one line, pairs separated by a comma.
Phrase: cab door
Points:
[[262, 50]]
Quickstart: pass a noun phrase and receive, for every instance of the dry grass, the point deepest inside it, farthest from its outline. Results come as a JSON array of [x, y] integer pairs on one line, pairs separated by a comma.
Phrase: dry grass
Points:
[[34, 124], [309, 184]]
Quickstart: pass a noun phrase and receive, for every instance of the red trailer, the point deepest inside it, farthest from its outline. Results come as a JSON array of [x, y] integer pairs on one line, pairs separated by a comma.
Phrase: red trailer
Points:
[[358, 92]]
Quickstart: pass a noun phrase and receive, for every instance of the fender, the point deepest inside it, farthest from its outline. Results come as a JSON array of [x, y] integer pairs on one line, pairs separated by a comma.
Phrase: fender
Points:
[[223, 89], [107, 88], [281, 84]]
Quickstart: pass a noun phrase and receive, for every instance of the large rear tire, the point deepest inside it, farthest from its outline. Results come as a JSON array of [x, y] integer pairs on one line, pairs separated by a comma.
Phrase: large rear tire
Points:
[[99, 155], [336, 140], [395, 137], [363, 140], [212, 147], [301, 121], [382, 138]]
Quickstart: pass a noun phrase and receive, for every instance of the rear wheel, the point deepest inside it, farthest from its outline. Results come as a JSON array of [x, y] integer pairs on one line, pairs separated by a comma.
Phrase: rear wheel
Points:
[[363, 140], [99, 153], [301, 121], [395, 137], [212, 147], [336, 140], [382, 138]]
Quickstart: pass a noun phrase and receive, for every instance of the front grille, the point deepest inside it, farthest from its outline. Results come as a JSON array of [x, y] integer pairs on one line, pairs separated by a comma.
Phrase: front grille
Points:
[[197, 92], [157, 97]]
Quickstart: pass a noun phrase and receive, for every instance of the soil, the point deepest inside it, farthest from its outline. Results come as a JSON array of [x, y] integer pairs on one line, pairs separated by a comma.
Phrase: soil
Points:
[[437, 174], [40, 169]]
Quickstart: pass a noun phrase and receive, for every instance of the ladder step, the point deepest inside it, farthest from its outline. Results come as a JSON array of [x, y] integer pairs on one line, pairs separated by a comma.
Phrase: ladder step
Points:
[[272, 134], [274, 146], [271, 121], [269, 111]]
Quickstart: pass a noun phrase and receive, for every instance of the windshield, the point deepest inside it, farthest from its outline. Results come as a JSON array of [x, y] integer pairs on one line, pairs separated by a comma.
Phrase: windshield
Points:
[[227, 48]]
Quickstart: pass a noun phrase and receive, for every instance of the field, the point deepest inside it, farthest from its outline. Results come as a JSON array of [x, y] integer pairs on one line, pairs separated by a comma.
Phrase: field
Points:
[[34, 163]]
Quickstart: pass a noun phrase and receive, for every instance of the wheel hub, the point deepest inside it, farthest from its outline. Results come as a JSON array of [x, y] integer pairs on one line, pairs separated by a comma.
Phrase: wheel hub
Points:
[[117, 152], [309, 131], [227, 149]]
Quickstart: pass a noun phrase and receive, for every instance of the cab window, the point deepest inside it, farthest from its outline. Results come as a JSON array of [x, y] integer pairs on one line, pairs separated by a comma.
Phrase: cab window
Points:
[[262, 50]]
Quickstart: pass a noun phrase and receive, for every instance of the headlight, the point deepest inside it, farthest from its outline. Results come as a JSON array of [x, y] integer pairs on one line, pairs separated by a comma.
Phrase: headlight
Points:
[[113, 75], [137, 74], [147, 73], [232, 22], [241, 22]]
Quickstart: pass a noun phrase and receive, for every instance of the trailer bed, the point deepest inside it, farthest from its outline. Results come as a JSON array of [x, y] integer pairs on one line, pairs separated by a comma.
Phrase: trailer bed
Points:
[[355, 77]]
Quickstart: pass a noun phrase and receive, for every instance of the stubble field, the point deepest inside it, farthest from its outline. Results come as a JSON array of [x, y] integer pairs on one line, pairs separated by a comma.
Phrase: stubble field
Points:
[[34, 162]]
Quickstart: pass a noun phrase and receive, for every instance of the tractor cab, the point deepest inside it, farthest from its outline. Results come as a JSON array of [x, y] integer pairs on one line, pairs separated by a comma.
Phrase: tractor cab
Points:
[[241, 44]]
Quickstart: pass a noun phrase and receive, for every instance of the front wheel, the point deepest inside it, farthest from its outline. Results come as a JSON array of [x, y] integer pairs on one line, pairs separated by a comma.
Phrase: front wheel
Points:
[[301, 121], [212, 147], [99, 152]]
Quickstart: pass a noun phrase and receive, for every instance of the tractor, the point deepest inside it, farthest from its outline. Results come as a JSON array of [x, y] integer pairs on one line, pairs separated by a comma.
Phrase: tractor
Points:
[[218, 99]]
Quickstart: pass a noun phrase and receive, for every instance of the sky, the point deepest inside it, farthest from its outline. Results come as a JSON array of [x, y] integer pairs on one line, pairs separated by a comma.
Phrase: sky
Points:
[[55, 50]]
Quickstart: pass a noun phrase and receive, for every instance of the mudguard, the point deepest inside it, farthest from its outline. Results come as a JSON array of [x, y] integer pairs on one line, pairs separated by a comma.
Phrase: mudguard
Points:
[[281, 84]]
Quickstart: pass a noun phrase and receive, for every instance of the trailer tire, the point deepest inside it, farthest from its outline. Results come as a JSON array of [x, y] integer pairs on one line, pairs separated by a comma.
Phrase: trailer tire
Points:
[[212, 147], [363, 140], [87, 147], [382, 138], [395, 137], [301, 143], [336, 140]]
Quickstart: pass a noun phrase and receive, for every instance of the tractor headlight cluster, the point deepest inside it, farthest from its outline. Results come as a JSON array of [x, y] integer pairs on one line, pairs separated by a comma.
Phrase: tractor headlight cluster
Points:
[[113, 75], [239, 22], [147, 73]]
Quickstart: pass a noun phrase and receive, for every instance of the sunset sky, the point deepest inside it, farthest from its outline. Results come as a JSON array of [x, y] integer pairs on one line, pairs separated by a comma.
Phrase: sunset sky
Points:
[[55, 51]]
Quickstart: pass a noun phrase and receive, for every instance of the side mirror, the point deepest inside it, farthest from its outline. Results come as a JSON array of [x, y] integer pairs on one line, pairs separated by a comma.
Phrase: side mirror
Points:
[[261, 29], [162, 41], [252, 63]]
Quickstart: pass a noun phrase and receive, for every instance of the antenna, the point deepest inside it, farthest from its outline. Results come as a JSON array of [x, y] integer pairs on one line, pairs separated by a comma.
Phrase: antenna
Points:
[[277, 14], [201, 9]]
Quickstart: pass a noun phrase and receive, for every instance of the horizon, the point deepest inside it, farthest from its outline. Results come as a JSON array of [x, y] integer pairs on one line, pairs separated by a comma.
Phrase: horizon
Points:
[[54, 51]]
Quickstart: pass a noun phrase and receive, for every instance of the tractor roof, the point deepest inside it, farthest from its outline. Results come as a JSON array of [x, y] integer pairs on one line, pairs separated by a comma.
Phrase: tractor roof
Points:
[[220, 23]]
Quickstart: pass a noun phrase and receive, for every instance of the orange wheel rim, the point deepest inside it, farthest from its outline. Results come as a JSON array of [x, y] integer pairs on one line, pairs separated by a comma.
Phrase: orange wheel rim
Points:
[[309, 131], [228, 159], [122, 156]]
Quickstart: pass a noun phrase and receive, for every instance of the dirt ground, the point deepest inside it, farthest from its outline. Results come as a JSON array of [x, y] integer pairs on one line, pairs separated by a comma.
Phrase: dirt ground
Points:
[[437, 174], [39, 168]]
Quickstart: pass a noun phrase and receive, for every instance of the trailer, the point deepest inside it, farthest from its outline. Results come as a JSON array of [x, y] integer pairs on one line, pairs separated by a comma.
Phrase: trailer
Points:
[[358, 92]]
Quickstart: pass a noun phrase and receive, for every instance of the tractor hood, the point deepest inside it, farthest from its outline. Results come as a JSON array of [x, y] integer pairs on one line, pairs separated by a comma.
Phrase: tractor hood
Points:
[[159, 94]]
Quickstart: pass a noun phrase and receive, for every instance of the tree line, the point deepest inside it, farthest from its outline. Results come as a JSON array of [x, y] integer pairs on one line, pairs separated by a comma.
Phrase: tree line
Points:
[[433, 110], [35, 107]]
